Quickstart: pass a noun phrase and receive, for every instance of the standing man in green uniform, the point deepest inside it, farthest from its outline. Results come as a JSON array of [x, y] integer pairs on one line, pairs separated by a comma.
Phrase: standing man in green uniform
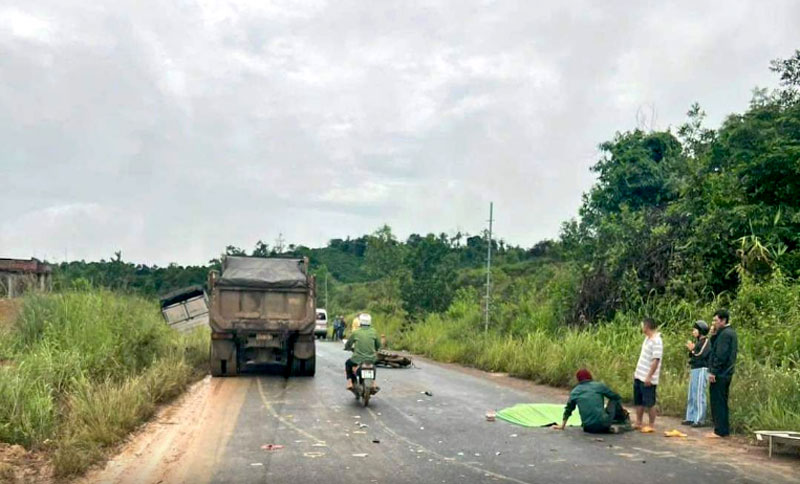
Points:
[[589, 396], [724, 348], [364, 343]]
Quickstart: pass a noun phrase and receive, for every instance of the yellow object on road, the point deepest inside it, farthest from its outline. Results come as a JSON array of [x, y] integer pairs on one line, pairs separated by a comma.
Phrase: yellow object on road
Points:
[[674, 433]]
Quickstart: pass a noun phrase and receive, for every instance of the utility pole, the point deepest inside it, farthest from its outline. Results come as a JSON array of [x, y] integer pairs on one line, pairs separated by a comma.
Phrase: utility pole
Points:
[[488, 268]]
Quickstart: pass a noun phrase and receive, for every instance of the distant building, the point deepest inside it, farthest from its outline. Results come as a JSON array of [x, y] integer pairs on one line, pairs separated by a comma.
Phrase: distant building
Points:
[[18, 276]]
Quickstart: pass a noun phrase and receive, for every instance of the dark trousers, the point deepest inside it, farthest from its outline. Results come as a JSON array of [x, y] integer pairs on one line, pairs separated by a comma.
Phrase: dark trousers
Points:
[[614, 414], [719, 405], [348, 368]]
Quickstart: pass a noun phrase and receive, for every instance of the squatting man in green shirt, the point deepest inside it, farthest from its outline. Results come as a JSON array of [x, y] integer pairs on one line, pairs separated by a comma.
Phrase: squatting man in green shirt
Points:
[[364, 343], [596, 417]]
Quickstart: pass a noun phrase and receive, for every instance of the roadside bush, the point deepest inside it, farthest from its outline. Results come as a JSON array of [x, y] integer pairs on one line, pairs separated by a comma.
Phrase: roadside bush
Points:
[[83, 368]]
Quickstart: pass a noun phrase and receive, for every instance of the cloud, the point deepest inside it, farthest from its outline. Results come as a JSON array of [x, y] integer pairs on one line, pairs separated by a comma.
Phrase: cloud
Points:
[[201, 124]]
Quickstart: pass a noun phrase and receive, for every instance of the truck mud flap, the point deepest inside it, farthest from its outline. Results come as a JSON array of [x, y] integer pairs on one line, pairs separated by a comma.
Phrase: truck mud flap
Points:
[[304, 349], [223, 359]]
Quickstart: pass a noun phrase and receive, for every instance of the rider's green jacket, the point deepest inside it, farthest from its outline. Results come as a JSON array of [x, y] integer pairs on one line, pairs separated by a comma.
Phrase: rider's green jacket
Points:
[[365, 343], [588, 397]]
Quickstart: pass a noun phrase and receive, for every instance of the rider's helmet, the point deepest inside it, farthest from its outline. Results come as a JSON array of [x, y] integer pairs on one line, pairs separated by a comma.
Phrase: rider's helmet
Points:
[[364, 320]]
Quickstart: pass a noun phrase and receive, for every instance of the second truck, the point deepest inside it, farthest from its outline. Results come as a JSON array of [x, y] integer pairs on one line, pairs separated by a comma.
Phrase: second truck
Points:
[[262, 312]]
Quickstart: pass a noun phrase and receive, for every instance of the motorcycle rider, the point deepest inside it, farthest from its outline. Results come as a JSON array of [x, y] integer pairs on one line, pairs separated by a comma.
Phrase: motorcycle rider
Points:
[[364, 343]]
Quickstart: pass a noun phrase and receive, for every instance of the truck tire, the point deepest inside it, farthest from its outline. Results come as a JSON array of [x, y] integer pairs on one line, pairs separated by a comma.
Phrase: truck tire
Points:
[[296, 367], [309, 366]]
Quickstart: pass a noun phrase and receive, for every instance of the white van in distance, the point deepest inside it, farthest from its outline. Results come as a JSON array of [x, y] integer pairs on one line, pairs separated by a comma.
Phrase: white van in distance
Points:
[[321, 326]]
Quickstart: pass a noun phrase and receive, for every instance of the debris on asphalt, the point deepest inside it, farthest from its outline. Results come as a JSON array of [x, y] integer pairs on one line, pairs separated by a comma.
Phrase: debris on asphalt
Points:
[[271, 447], [422, 428], [313, 455], [460, 453], [362, 425], [376, 441], [393, 360], [320, 444], [427, 392], [255, 464], [491, 416], [360, 455], [359, 432], [497, 453], [418, 401], [599, 439], [674, 433], [513, 435]]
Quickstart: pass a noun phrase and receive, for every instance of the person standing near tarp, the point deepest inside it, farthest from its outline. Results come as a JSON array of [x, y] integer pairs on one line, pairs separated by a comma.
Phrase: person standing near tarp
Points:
[[589, 396], [336, 324], [724, 349], [645, 378], [340, 327], [699, 351]]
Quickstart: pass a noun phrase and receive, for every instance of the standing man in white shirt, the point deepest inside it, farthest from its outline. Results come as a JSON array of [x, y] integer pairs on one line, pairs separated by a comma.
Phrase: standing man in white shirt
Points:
[[645, 378]]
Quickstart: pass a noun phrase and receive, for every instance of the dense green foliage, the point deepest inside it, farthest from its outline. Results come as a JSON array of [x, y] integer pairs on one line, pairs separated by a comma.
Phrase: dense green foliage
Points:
[[82, 369]]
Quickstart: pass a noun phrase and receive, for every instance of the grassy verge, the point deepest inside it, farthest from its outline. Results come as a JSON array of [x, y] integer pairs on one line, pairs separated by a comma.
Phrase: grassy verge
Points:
[[82, 369], [765, 393]]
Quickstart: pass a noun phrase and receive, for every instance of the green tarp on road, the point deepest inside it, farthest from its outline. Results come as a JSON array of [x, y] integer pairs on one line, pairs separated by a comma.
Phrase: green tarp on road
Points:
[[537, 415]]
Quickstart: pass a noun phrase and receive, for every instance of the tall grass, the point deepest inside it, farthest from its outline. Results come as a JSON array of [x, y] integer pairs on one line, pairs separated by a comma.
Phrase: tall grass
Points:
[[765, 392], [82, 369]]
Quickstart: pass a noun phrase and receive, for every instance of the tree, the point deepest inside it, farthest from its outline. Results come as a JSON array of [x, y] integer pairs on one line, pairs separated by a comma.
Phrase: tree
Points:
[[261, 249], [430, 283], [233, 250], [384, 255]]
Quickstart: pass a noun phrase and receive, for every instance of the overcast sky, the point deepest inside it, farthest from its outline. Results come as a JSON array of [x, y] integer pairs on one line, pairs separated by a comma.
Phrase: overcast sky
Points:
[[171, 129]]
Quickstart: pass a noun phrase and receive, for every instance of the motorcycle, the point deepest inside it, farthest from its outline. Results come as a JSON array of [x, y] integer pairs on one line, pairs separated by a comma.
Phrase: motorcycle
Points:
[[363, 388]]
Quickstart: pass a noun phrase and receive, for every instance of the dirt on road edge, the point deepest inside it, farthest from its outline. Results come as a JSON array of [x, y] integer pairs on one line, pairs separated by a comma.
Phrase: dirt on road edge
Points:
[[166, 449]]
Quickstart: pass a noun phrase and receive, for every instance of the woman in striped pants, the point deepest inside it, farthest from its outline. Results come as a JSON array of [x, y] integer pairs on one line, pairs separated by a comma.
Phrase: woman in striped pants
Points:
[[699, 351]]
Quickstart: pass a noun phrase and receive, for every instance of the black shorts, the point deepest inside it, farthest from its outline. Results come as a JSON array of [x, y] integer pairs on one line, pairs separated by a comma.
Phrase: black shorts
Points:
[[643, 396]]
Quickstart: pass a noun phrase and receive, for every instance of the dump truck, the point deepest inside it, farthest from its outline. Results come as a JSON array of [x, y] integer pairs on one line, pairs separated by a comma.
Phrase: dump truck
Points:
[[185, 308], [262, 312]]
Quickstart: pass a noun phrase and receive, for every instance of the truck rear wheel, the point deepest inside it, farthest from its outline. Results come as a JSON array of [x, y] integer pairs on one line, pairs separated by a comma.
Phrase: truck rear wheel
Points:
[[309, 366]]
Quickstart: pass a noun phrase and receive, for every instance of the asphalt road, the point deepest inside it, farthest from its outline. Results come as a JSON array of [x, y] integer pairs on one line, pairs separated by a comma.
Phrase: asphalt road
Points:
[[406, 436]]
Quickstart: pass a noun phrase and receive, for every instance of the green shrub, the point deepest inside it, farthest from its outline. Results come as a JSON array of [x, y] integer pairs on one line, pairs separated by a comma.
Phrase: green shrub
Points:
[[86, 367]]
